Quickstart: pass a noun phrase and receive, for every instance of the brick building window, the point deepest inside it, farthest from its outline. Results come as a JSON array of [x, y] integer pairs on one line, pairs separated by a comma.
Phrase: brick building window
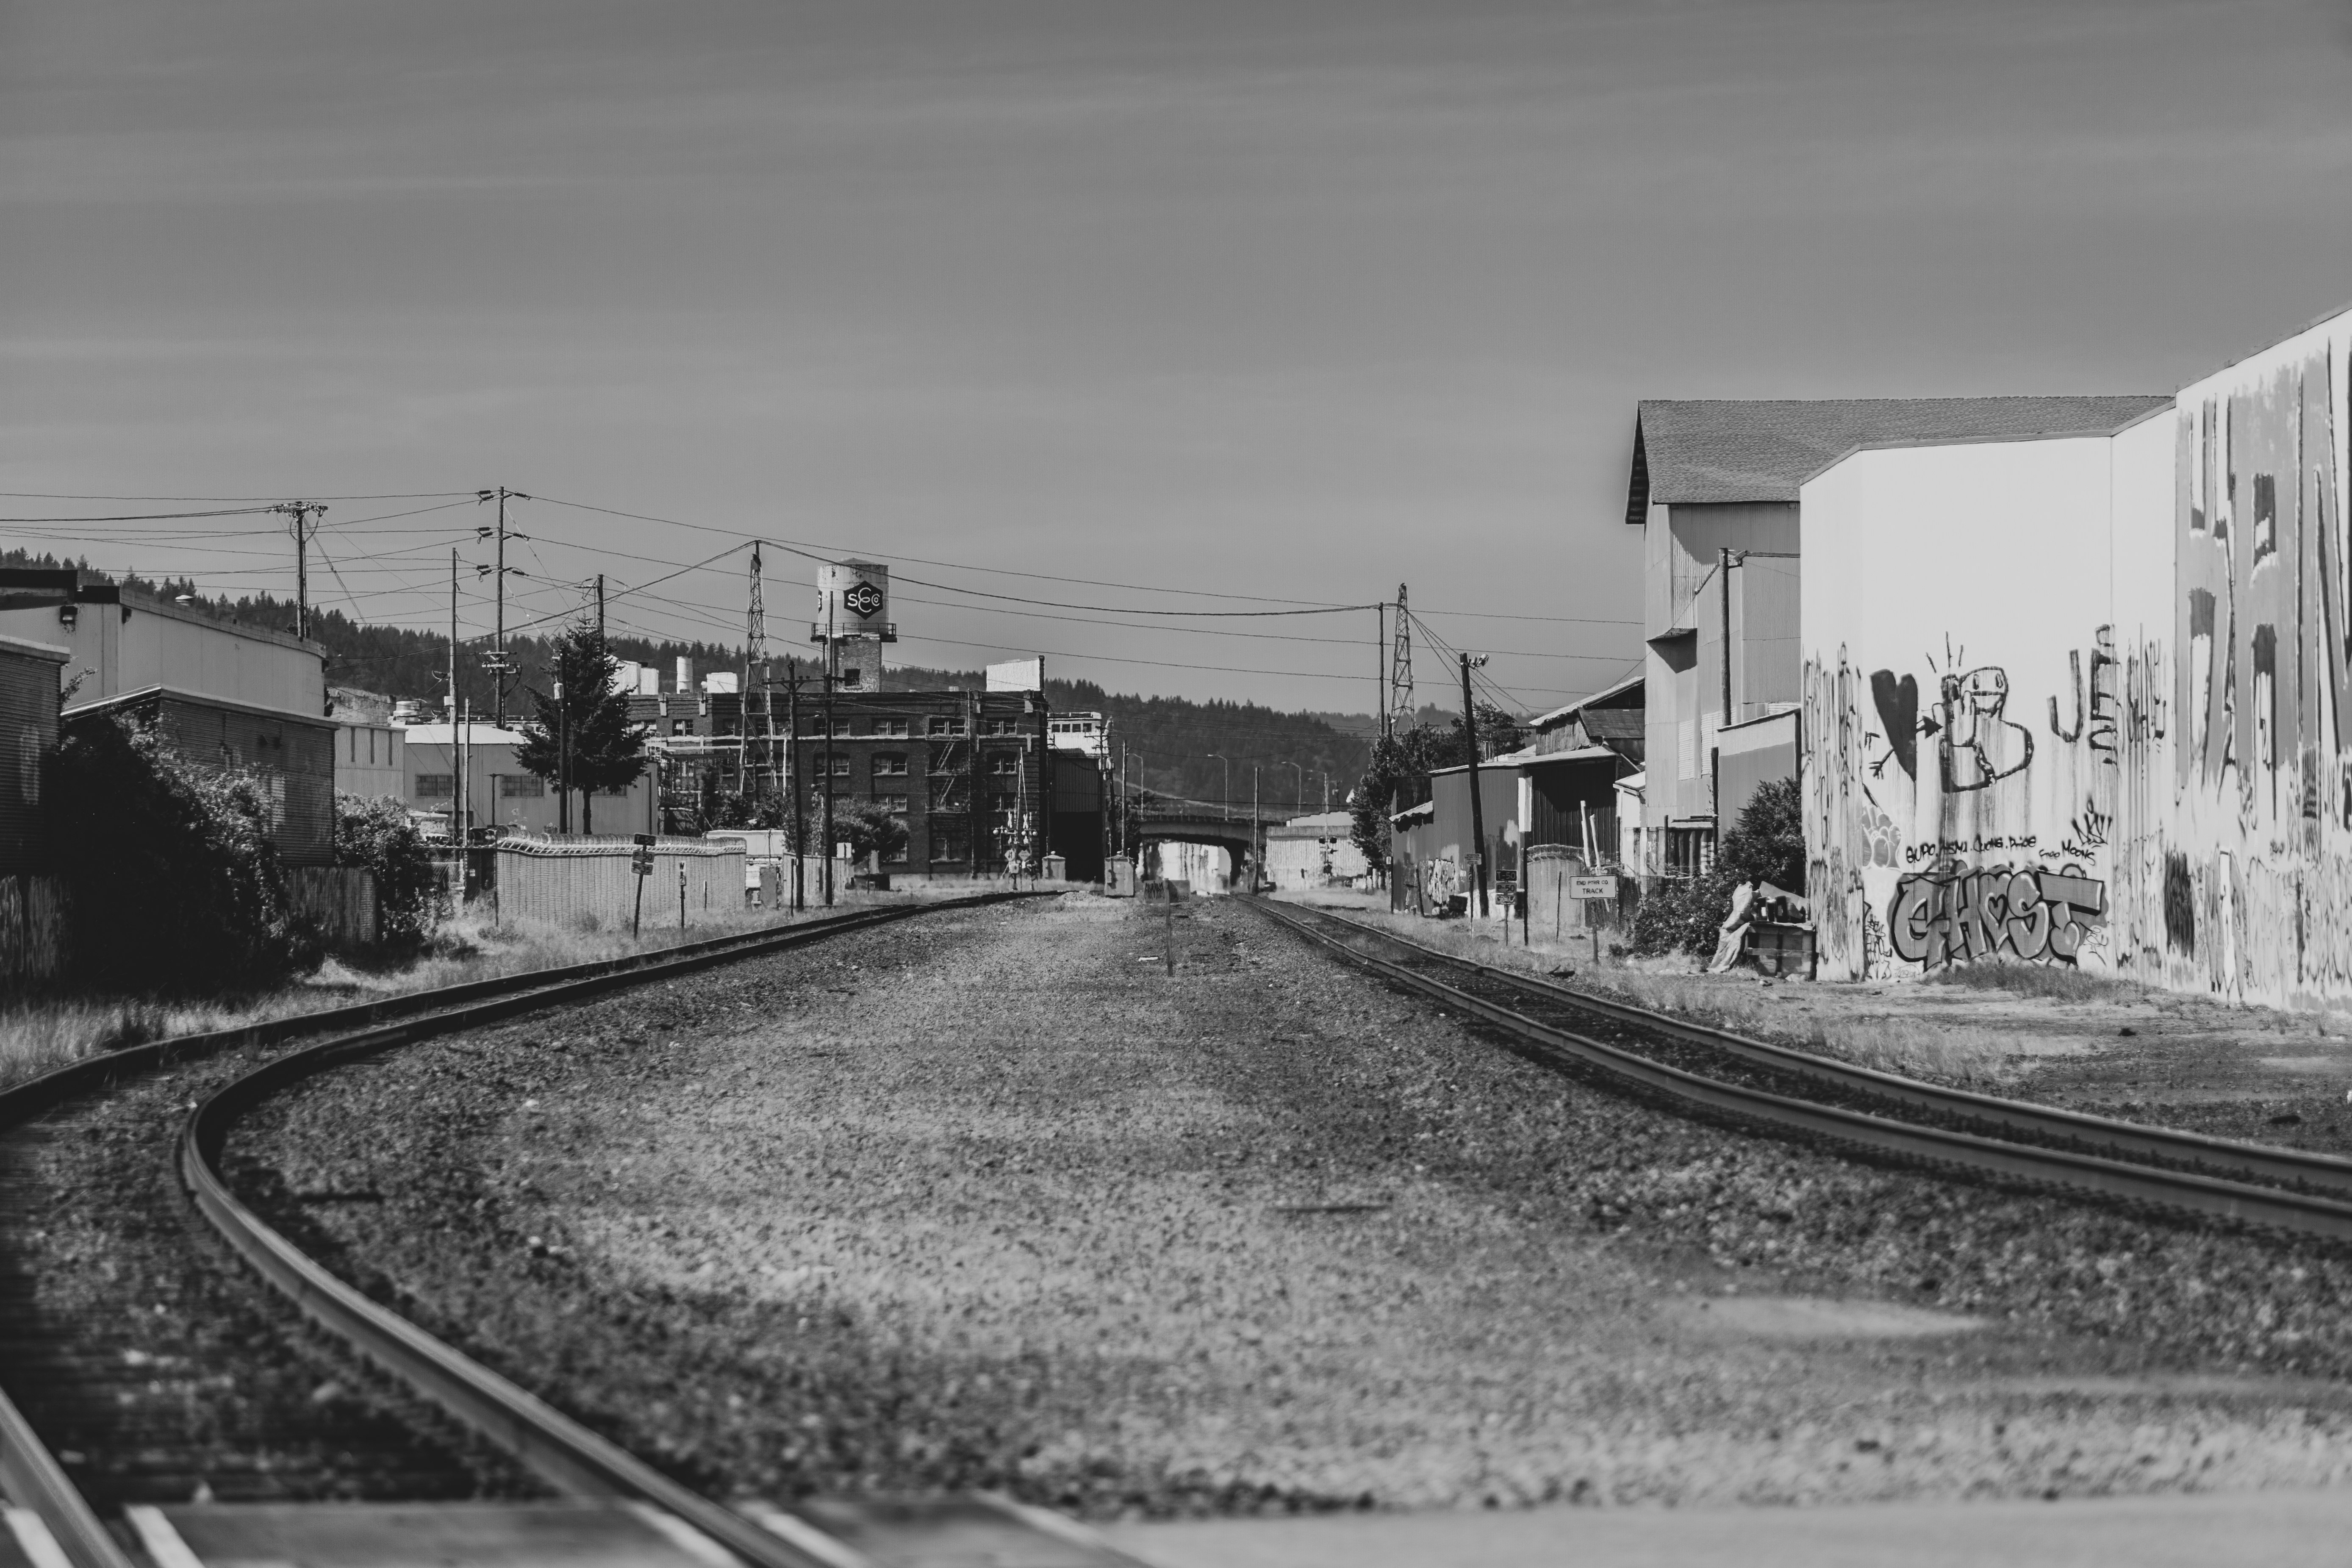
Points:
[[891, 764], [894, 803], [1004, 764], [946, 724], [894, 729], [947, 846]]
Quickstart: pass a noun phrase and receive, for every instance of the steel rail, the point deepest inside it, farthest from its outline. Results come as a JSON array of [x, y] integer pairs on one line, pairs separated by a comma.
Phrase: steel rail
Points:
[[2077, 1130], [569, 1456], [2063, 1170]]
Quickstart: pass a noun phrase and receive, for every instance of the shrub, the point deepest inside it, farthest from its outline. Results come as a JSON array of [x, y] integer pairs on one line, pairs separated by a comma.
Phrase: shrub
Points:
[[866, 826], [171, 881], [1681, 914], [409, 892], [1767, 844], [1686, 914]]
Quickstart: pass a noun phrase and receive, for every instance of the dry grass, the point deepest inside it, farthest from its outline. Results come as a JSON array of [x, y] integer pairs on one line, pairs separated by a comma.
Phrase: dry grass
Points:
[[38, 1033], [1949, 1052], [2057, 982]]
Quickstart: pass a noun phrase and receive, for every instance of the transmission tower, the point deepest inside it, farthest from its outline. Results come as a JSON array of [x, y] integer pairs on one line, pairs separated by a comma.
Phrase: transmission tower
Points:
[[1401, 669]]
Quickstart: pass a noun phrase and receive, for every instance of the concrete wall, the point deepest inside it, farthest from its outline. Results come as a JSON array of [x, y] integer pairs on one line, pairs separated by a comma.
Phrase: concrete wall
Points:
[[1960, 600]]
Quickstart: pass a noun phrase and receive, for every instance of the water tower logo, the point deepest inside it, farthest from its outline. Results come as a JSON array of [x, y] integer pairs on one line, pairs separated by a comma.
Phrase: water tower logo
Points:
[[864, 599]]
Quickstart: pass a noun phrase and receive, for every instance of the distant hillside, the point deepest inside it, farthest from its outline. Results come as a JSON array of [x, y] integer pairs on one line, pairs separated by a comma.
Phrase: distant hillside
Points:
[[1172, 735]]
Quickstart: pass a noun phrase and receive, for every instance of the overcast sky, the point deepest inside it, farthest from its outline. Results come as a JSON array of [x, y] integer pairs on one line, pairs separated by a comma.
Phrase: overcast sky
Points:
[[1292, 299]]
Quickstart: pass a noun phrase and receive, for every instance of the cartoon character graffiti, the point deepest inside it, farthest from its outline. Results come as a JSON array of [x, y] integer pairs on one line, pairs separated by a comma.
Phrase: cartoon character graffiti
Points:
[[1962, 914], [1980, 745]]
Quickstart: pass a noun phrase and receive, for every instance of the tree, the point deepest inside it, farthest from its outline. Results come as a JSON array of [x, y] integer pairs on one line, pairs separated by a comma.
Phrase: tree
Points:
[[1767, 842], [599, 748], [868, 826], [1397, 778]]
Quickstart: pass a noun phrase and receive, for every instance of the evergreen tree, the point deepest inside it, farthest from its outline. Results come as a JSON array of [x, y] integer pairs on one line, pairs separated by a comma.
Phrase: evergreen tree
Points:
[[583, 739]]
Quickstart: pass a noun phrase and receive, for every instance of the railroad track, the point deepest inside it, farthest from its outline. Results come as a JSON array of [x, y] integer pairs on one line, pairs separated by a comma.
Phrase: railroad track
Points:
[[576, 1497], [1882, 1114]]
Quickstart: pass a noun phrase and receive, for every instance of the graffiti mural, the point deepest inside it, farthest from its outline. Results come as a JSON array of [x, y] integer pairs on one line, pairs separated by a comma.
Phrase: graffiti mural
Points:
[[1979, 745], [1970, 913]]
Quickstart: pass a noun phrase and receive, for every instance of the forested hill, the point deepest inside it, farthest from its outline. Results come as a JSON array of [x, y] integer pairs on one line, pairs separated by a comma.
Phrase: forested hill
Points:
[[1174, 735]]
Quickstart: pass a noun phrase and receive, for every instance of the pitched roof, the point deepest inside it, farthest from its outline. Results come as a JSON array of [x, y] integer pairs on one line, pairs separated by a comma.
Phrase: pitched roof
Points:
[[1626, 693], [1615, 723], [1740, 450]]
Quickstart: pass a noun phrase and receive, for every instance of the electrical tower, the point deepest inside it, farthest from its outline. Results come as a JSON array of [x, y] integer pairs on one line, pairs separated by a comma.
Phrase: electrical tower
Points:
[[1401, 669]]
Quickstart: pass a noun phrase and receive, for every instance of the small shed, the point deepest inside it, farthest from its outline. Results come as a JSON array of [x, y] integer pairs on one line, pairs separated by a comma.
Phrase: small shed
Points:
[[293, 755], [28, 733]]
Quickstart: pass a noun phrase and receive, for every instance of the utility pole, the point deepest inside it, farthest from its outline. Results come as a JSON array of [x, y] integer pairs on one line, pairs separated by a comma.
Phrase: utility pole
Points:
[[600, 607], [497, 663], [1257, 830], [562, 764], [1380, 650], [793, 777], [300, 513], [456, 762], [755, 637], [1477, 811], [832, 654], [1715, 753]]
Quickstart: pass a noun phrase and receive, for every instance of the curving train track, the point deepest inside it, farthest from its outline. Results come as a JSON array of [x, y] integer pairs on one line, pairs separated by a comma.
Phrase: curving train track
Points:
[[1694, 1067], [474, 1467]]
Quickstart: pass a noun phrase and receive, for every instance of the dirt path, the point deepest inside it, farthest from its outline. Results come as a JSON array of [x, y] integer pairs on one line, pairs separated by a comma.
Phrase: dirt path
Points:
[[989, 1199]]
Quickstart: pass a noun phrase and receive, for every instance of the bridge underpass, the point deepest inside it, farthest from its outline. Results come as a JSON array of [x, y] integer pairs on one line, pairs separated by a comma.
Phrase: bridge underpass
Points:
[[1236, 836]]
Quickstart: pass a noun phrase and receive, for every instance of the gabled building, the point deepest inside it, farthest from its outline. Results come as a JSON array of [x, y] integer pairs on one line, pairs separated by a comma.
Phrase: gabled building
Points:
[[1714, 484]]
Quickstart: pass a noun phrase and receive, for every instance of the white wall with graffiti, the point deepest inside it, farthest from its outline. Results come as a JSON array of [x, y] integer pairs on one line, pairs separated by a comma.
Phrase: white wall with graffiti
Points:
[[2084, 700], [1966, 703]]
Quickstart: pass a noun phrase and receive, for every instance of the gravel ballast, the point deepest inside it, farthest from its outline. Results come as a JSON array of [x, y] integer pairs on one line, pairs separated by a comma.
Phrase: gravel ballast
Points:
[[989, 1199]]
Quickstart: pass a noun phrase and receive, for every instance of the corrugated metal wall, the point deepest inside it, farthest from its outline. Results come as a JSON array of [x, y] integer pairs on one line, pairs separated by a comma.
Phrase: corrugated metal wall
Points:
[[28, 733], [592, 885], [295, 761]]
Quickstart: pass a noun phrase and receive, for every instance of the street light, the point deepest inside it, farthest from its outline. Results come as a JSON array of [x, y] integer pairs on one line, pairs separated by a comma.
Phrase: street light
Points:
[[1225, 790], [1301, 796]]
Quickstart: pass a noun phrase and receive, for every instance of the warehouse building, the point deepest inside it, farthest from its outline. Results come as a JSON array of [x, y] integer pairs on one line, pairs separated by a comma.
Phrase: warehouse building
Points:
[[1714, 484], [2083, 700], [28, 737], [292, 755]]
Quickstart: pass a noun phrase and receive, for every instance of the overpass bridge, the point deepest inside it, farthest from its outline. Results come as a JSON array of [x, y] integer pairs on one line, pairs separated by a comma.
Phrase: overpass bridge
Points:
[[1236, 835]]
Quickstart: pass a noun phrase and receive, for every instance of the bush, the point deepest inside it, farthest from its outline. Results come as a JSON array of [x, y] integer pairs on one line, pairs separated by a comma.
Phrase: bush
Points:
[[1768, 843], [866, 826], [409, 892], [1681, 914], [1686, 914], [171, 881]]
